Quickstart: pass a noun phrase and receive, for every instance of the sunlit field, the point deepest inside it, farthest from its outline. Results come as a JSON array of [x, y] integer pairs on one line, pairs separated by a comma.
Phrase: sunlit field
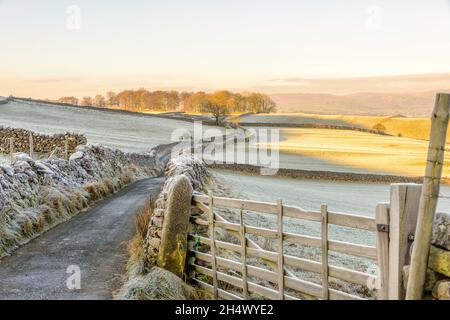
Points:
[[417, 128], [353, 149]]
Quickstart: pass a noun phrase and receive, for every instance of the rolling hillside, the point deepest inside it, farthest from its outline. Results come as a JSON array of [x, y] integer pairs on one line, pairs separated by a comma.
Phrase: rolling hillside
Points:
[[418, 104], [128, 132], [407, 127]]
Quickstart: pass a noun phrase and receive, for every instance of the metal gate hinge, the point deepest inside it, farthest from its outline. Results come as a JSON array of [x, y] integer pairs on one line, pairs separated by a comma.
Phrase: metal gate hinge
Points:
[[382, 227]]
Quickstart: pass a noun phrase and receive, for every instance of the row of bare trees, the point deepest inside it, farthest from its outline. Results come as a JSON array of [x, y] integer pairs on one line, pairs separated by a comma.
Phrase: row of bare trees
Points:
[[133, 100], [221, 103], [218, 103]]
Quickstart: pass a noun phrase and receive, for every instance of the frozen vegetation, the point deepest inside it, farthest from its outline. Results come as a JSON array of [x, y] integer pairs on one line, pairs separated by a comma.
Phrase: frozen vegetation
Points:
[[4, 160], [35, 195]]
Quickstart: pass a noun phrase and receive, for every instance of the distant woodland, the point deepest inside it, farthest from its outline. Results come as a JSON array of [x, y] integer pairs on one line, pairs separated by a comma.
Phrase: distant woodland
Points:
[[218, 103]]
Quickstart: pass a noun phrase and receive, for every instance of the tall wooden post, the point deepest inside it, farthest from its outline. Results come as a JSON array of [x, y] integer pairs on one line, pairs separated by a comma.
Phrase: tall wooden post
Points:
[[429, 197], [403, 211]]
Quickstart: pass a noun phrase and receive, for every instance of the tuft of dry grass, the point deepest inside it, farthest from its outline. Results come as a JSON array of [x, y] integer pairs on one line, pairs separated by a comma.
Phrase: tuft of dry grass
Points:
[[109, 186], [126, 178], [146, 280], [138, 263], [101, 189], [158, 284]]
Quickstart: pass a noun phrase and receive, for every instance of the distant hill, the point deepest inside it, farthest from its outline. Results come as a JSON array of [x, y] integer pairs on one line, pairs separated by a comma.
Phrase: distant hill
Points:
[[419, 104]]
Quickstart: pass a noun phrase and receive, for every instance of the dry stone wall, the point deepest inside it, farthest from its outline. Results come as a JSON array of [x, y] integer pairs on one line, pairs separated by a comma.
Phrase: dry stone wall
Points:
[[319, 175], [35, 195], [41, 143]]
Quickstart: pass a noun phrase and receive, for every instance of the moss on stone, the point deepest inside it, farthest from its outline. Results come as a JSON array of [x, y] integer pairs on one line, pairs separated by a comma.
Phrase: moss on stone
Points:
[[439, 260]]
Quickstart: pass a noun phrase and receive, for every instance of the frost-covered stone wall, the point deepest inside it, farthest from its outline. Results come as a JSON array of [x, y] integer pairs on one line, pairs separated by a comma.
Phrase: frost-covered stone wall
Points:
[[42, 143], [34, 195], [198, 175]]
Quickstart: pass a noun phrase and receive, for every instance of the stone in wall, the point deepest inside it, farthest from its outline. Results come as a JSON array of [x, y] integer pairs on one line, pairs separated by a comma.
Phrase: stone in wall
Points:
[[198, 176], [439, 261], [442, 290], [441, 231], [173, 245], [431, 278]]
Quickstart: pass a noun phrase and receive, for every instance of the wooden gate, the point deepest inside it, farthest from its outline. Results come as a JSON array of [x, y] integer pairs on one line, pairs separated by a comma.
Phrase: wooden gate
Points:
[[232, 277]]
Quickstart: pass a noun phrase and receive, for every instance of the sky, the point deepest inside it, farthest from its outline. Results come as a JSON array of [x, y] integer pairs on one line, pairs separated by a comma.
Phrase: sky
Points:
[[54, 48]]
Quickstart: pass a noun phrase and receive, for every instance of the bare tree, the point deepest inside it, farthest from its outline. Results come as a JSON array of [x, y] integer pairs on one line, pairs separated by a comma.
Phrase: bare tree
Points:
[[68, 100], [99, 101], [218, 105], [111, 99], [86, 101]]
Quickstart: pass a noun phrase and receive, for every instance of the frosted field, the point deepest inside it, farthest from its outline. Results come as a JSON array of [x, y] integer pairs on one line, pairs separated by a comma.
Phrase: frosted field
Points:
[[354, 198], [131, 133]]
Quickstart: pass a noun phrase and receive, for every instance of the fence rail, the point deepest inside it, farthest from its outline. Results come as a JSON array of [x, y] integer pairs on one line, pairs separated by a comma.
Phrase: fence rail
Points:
[[286, 285]]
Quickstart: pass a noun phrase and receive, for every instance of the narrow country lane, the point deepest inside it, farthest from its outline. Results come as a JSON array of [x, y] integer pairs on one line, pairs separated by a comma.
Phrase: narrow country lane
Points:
[[95, 241]]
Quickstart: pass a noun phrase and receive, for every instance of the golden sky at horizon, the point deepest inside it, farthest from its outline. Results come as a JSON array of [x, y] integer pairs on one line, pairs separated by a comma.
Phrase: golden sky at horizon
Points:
[[53, 48]]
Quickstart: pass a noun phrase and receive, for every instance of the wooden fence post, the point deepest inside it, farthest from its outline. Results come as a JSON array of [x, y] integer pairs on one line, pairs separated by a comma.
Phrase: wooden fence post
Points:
[[11, 149], [403, 212], [382, 221], [31, 145], [324, 227], [243, 255], [213, 244], [429, 197], [66, 149], [280, 250]]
